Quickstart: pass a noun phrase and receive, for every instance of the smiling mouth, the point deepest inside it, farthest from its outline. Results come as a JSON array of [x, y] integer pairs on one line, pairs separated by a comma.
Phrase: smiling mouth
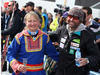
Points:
[[33, 26]]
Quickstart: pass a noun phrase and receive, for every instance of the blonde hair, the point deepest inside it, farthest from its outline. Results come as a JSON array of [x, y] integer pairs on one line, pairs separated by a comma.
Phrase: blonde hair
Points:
[[28, 15], [31, 13]]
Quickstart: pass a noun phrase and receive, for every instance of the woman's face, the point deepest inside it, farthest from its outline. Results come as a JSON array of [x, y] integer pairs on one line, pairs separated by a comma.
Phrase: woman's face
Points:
[[28, 8], [32, 24]]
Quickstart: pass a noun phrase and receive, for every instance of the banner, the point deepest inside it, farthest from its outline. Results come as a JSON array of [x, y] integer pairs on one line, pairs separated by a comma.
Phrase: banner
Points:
[[90, 3], [50, 0]]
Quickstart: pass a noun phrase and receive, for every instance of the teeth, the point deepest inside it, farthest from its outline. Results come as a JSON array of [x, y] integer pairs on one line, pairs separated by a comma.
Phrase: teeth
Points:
[[33, 26]]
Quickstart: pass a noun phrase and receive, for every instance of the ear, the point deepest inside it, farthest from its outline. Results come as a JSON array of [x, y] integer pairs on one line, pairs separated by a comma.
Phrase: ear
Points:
[[40, 25], [90, 15], [25, 22]]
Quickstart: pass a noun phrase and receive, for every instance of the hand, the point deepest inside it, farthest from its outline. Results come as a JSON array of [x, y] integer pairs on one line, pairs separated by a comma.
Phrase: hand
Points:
[[97, 41], [82, 61], [55, 43], [1, 37], [21, 68]]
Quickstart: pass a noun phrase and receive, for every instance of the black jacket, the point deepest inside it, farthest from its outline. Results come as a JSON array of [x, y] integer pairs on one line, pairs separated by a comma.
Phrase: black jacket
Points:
[[16, 24], [55, 36], [3, 20]]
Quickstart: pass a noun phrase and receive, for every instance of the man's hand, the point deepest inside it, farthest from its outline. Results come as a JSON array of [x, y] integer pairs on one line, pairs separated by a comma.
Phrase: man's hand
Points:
[[98, 41], [82, 61]]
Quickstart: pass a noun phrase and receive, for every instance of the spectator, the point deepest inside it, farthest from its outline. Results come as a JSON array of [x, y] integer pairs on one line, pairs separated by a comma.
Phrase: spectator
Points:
[[54, 25], [50, 19], [15, 24], [29, 7], [95, 27], [45, 20], [39, 9], [5, 17], [17, 21], [31, 43], [63, 19], [95, 21]]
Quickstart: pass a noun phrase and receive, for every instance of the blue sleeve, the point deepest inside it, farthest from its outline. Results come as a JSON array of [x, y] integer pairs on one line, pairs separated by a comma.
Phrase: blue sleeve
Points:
[[12, 50], [51, 51]]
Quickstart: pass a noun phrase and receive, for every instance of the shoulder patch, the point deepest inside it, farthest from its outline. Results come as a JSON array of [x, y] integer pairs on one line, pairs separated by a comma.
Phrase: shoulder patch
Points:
[[18, 36], [48, 38], [43, 33]]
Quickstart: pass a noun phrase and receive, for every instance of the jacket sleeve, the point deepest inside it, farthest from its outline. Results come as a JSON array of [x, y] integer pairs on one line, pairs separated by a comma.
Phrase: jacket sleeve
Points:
[[93, 52], [11, 56], [55, 35], [14, 26], [51, 50]]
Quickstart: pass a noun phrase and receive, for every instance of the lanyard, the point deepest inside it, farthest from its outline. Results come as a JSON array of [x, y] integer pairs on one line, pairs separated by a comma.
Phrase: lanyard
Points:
[[6, 20]]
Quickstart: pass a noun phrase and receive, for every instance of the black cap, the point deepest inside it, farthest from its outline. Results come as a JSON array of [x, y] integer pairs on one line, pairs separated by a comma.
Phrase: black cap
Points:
[[96, 19], [29, 4]]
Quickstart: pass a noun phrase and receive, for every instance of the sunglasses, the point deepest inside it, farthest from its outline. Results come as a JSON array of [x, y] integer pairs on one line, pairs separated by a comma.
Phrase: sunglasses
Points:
[[74, 17], [10, 5], [6, 8]]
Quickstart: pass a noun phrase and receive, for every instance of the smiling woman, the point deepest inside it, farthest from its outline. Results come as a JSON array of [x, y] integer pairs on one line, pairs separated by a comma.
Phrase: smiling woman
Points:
[[32, 21], [30, 44]]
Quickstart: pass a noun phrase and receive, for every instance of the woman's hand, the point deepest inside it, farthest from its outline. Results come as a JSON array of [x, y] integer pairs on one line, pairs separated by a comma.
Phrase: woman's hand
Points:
[[21, 68]]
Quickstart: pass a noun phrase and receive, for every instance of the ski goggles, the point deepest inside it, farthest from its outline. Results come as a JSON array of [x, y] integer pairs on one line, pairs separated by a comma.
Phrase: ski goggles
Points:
[[74, 17]]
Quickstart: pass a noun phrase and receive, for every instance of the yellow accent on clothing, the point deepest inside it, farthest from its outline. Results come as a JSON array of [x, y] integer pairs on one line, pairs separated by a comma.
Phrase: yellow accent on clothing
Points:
[[12, 61], [54, 25], [48, 39], [43, 21]]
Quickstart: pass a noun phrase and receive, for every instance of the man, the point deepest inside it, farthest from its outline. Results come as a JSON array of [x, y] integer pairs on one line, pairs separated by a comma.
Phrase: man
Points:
[[74, 36], [91, 24], [5, 17], [94, 26], [16, 22]]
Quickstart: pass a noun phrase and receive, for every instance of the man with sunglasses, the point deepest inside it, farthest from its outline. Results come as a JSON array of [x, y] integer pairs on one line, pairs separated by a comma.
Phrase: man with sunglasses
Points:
[[74, 36], [10, 6], [5, 17], [15, 23]]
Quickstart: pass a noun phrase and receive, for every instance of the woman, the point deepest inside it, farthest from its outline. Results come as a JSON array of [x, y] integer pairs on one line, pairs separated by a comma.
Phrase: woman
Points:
[[31, 43]]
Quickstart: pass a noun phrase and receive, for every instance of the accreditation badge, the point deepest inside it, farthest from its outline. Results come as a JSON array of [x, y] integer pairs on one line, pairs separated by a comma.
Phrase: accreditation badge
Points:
[[71, 51], [63, 40], [66, 36], [74, 44], [61, 45]]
